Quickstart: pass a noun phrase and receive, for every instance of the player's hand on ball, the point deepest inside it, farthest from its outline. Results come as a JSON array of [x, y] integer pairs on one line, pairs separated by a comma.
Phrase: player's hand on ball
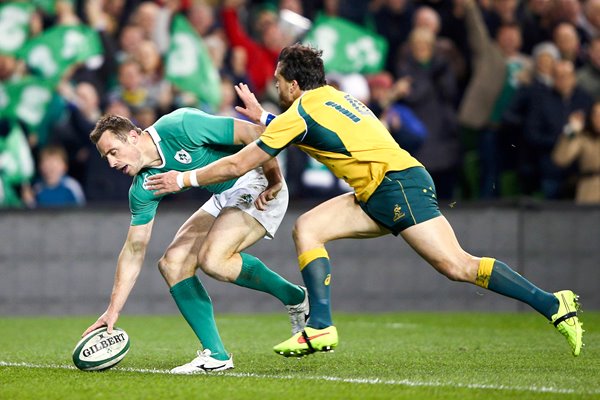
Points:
[[163, 183], [100, 350], [108, 319]]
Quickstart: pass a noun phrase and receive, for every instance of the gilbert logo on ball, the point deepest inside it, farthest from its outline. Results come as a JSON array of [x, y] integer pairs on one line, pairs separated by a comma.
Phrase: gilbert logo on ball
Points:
[[99, 350]]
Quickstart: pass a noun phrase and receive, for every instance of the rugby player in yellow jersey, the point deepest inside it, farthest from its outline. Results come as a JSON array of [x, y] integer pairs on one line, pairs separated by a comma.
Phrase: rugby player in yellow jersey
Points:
[[393, 193]]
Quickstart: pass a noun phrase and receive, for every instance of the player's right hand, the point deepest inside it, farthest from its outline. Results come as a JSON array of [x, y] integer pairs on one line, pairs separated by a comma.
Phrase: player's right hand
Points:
[[108, 319]]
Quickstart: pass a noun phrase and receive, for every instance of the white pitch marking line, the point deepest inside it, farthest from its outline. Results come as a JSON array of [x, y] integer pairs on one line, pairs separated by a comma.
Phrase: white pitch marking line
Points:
[[367, 381]]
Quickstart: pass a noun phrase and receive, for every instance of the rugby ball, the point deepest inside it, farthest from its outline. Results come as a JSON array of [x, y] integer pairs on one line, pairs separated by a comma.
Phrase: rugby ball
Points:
[[99, 350]]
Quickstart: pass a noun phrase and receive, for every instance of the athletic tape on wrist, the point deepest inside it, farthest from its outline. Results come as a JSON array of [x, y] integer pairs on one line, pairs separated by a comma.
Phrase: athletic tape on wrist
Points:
[[194, 178], [266, 118], [180, 180]]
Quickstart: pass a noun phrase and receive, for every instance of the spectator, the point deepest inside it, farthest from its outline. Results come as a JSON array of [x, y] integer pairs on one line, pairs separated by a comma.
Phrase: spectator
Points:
[[427, 17], [500, 12], [228, 102], [132, 89], [566, 39], [71, 132], [590, 20], [393, 22], [102, 183], [427, 85], [145, 117], [202, 17], [237, 65], [264, 54], [588, 76], [159, 89], [55, 188], [545, 122], [380, 86], [65, 13], [570, 12], [545, 55], [9, 68], [129, 40], [534, 19], [565, 11], [488, 96], [146, 16], [580, 142], [408, 130]]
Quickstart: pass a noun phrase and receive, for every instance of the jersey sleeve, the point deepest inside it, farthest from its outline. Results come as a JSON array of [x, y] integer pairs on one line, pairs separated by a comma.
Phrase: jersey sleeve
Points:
[[142, 203], [286, 129], [203, 128]]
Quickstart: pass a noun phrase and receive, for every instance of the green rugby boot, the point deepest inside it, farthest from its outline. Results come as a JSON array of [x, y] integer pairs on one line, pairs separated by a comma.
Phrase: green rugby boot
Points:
[[308, 341], [566, 321]]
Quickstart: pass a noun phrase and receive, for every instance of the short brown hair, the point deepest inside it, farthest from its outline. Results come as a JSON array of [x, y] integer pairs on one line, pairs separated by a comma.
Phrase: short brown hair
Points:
[[118, 125]]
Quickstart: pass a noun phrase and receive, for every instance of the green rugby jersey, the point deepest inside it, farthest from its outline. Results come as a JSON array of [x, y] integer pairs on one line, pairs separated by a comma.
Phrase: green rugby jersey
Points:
[[186, 139]]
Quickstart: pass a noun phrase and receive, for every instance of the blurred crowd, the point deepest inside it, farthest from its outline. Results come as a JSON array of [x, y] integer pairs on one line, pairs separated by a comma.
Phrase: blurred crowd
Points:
[[497, 98]]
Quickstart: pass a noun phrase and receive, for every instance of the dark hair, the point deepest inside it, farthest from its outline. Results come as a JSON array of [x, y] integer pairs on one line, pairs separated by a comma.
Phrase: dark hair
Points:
[[118, 125], [302, 64]]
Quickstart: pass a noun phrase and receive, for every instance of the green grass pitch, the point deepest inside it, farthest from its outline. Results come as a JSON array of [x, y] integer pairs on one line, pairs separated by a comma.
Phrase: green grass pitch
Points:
[[381, 356]]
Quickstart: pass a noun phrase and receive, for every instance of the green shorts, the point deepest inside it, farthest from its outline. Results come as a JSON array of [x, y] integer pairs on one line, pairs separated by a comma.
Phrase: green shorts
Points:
[[403, 199]]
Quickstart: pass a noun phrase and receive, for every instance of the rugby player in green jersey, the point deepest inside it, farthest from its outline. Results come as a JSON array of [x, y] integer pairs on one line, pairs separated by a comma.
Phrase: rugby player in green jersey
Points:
[[393, 193], [241, 211]]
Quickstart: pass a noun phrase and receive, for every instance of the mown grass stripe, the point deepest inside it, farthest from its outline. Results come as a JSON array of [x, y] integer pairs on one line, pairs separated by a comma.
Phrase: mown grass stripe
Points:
[[365, 381]]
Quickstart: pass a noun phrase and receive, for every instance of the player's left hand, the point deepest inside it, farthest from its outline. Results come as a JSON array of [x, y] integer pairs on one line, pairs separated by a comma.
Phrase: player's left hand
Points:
[[252, 108], [267, 195], [163, 183]]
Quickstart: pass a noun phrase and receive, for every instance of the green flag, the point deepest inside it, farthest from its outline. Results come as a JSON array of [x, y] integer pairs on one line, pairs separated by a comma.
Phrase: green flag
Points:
[[347, 47], [14, 26], [27, 99], [189, 67], [52, 53], [16, 165]]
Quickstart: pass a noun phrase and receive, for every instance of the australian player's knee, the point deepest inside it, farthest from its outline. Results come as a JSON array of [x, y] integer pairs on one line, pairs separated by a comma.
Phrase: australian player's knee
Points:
[[303, 230], [455, 270]]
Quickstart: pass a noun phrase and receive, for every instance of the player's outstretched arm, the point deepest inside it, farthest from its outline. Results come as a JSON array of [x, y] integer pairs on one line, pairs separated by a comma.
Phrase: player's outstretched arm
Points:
[[222, 170], [129, 265]]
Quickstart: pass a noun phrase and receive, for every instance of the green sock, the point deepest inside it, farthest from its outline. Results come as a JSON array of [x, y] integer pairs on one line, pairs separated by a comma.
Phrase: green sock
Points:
[[507, 282], [195, 305], [317, 276], [256, 275]]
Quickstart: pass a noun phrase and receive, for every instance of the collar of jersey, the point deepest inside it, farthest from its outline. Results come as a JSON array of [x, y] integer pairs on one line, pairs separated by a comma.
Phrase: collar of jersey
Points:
[[154, 135]]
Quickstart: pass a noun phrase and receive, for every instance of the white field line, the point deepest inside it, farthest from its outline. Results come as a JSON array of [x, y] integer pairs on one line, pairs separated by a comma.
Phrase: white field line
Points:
[[364, 381]]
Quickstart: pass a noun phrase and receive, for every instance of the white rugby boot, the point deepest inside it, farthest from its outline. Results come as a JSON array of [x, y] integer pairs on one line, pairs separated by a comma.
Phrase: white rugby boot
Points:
[[299, 313], [204, 363]]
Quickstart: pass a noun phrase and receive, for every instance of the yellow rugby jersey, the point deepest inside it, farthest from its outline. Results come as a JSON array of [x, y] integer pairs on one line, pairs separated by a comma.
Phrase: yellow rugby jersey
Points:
[[343, 134]]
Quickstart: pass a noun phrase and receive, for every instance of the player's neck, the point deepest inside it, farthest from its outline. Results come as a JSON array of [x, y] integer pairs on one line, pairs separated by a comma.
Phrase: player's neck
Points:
[[149, 150]]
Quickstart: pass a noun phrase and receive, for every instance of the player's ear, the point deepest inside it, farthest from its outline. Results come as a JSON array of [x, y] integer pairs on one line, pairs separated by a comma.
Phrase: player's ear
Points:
[[133, 135], [294, 87]]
